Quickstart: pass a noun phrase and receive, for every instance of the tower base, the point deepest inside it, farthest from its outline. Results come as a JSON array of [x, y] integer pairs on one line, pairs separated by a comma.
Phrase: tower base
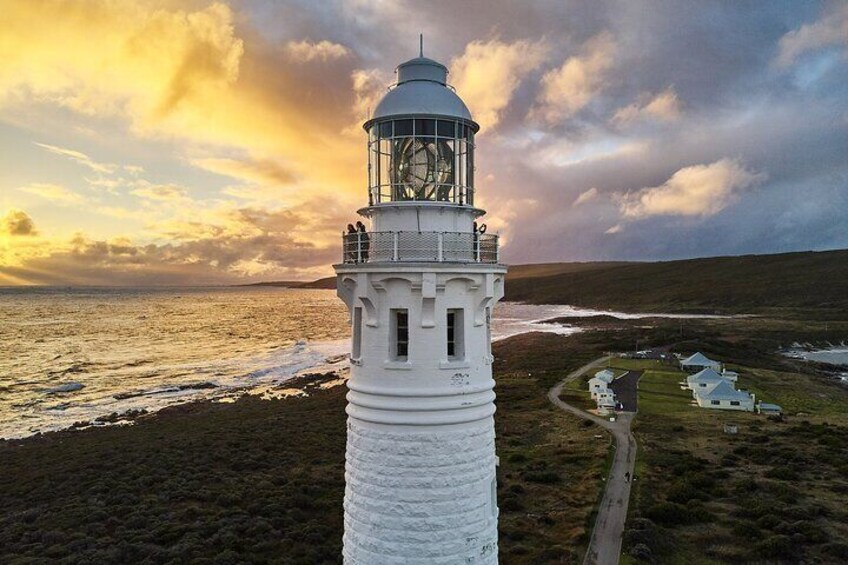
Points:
[[420, 494]]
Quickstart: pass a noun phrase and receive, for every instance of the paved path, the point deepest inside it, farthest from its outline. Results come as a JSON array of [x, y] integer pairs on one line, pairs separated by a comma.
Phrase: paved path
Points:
[[605, 544]]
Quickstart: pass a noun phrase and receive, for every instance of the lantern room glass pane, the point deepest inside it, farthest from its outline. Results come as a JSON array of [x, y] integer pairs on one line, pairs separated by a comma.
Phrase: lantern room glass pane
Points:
[[446, 129], [425, 127], [421, 159], [403, 127]]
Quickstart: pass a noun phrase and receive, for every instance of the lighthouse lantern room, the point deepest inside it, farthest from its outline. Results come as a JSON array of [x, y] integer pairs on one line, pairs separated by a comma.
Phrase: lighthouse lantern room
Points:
[[420, 285]]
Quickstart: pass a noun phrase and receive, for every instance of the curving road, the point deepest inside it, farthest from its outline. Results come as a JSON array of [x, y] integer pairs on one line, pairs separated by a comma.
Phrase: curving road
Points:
[[605, 544]]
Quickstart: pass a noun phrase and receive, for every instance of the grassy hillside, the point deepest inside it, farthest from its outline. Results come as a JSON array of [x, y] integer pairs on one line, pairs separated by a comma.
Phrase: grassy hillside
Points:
[[815, 280]]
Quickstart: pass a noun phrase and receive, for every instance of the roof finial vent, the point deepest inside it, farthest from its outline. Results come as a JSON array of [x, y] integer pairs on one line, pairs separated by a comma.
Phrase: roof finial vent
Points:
[[420, 44]]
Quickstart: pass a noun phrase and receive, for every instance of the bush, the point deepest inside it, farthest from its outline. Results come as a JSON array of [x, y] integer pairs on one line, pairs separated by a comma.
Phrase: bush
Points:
[[543, 477], [836, 549], [672, 514], [782, 473], [642, 552], [779, 547]]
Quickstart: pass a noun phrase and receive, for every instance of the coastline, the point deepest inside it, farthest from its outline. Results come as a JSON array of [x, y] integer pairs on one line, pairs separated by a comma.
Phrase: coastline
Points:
[[278, 373], [256, 478]]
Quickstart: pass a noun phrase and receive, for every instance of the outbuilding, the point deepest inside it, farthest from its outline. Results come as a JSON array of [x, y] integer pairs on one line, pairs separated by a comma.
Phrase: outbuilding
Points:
[[731, 376], [769, 409], [606, 402]]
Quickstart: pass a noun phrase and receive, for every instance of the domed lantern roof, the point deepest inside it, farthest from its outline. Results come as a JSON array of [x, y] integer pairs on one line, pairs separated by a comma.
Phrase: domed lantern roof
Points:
[[422, 90]]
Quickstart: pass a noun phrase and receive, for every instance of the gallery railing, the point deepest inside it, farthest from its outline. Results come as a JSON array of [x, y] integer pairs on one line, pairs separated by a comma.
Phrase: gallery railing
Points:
[[387, 246]]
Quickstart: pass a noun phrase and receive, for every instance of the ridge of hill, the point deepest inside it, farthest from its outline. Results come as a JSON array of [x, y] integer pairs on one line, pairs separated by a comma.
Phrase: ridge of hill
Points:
[[323, 283], [744, 283]]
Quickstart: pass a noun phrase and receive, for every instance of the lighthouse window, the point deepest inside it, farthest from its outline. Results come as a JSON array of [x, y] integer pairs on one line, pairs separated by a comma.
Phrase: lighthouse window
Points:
[[400, 334], [357, 333], [455, 331]]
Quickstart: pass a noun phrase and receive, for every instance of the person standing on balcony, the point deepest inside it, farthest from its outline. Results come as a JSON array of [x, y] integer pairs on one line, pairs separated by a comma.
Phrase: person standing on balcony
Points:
[[364, 242], [350, 248]]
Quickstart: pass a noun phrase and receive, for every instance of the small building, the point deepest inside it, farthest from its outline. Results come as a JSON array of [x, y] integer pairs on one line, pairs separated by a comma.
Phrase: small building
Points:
[[724, 397], [731, 376], [606, 402], [699, 362], [769, 409], [597, 386], [704, 380], [600, 382]]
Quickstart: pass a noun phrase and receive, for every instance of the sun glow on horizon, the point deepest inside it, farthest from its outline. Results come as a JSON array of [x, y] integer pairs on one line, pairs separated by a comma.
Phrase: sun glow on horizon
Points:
[[185, 142]]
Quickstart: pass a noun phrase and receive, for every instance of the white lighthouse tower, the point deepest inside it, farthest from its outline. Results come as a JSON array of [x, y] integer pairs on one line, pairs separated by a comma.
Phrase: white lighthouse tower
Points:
[[420, 285]]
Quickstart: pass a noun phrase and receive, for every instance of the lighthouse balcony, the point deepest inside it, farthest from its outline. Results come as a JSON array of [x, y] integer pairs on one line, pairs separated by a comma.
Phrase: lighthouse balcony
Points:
[[413, 246]]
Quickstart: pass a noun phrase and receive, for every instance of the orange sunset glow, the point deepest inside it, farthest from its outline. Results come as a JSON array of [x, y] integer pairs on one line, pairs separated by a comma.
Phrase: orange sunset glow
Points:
[[177, 142]]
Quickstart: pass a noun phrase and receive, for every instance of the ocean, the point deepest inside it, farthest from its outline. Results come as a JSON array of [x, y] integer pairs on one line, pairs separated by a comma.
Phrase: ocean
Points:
[[71, 355]]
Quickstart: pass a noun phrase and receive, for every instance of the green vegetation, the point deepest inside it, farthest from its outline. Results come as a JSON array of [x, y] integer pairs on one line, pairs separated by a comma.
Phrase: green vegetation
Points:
[[776, 491], [263, 480], [751, 283]]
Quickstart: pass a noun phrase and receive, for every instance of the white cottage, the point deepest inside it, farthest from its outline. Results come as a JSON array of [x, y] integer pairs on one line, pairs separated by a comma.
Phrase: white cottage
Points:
[[600, 382], [597, 386], [698, 362], [724, 397], [704, 381], [606, 402]]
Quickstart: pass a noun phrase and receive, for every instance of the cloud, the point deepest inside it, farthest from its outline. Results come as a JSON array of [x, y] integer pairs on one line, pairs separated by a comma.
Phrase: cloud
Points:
[[306, 51], [53, 192], [234, 246], [830, 29], [160, 192], [262, 171], [369, 86], [162, 83], [584, 197], [80, 158], [614, 229], [569, 88], [699, 190], [665, 106], [487, 74], [17, 223], [181, 74], [106, 57]]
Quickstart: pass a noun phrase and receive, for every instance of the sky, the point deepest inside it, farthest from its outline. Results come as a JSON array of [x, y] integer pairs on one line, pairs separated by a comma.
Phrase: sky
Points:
[[194, 142]]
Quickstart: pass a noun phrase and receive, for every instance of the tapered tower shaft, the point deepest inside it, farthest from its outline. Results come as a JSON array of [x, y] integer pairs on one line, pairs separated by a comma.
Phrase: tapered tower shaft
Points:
[[420, 285]]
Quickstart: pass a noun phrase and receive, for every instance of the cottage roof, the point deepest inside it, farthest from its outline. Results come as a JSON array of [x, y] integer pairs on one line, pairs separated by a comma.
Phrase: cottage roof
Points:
[[606, 375], [708, 375], [699, 360], [725, 391], [770, 407]]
